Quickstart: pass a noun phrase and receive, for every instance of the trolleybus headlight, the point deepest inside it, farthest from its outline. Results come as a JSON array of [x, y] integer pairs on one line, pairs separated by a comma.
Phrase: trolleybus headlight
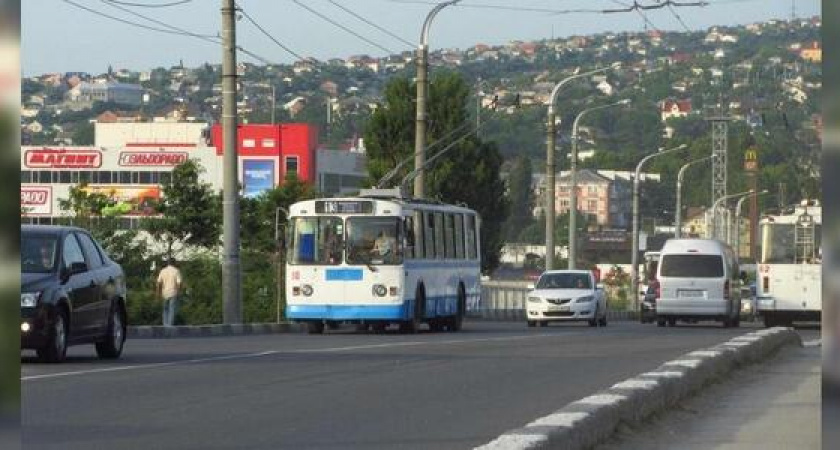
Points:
[[306, 290], [379, 290]]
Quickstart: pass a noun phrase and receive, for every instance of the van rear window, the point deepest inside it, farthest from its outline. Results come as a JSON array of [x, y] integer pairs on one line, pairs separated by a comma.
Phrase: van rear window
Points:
[[692, 266]]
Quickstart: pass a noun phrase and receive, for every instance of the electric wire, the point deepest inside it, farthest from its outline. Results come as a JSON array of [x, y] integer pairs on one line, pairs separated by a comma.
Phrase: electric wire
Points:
[[382, 29], [333, 22]]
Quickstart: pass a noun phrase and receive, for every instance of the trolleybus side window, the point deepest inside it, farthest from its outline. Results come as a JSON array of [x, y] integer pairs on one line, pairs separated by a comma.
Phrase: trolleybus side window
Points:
[[459, 236], [450, 235], [471, 244], [429, 234], [440, 243], [418, 235], [408, 229]]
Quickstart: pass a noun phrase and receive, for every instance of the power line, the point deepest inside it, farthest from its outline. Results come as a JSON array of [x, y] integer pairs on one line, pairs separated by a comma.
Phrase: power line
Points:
[[679, 19], [205, 37], [323, 16], [502, 7], [268, 35], [349, 11], [170, 29], [150, 5]]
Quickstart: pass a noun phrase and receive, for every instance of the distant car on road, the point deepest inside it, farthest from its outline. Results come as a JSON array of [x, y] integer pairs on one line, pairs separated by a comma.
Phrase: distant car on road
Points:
[[565, 296], [648, 305], [71, 293]]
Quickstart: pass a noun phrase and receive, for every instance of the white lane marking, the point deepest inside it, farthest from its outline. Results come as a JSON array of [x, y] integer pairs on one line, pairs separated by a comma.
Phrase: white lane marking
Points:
[[737, 343], [705, 353], [604, 399], [663, 374], [635, 383], [566, 419], [690, 363], [515, 441], [273, 352], [814, 343]]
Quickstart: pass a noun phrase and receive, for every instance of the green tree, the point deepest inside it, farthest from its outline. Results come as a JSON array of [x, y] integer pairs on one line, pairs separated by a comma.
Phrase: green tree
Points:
[[83, 134], [469, 173], [521, 198], [190, 212]]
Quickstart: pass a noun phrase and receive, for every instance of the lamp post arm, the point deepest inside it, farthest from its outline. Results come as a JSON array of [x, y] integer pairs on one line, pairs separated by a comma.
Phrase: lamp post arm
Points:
[[427, 24]]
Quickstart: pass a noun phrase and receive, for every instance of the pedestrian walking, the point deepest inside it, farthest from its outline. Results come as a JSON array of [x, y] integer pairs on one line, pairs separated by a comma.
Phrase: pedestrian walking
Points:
[[168, 288]]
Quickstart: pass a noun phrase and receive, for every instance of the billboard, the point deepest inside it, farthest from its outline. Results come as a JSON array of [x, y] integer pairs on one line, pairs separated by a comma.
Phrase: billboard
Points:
[[152, 159], [257, 176], [36, 200], [63, 158], [130, 200]]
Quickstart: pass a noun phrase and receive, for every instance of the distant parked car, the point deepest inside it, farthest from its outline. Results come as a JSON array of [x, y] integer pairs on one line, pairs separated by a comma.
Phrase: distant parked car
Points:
[[648, 305], [565, 296], [71, 293]]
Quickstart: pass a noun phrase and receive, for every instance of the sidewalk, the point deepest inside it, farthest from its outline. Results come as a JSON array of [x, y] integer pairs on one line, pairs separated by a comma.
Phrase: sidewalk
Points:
[[774, 405]]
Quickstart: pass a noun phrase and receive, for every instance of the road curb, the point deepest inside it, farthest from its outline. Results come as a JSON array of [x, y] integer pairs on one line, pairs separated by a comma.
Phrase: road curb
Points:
[[514, 315], [182, 331], [593, 419]]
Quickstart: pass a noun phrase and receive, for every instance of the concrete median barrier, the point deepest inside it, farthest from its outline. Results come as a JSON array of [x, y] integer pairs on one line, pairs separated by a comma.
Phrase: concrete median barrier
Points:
[[183, 331], [593, 419]]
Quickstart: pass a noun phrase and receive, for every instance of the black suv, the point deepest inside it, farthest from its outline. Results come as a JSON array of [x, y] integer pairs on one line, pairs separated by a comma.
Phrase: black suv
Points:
[[71, 293]]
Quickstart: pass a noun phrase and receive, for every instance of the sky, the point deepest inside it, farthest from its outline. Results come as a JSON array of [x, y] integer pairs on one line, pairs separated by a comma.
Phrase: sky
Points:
[[57, 36]]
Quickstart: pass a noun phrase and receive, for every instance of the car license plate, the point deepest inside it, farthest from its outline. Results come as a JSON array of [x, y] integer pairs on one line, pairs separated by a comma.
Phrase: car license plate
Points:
[[563, 308], [691, 294]]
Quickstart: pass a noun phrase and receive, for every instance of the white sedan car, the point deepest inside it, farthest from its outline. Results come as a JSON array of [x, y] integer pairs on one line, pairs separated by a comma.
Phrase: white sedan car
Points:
[[566, 296]]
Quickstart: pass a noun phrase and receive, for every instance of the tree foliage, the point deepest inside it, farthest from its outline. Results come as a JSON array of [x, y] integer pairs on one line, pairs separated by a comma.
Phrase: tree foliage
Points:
[[469, 173]]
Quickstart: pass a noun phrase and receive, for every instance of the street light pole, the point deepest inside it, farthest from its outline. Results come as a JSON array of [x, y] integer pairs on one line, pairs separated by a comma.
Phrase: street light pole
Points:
[[573, 180], [680, 175], [711, 230], [738, 220], [634, 257], [422, 87], [551, 136]]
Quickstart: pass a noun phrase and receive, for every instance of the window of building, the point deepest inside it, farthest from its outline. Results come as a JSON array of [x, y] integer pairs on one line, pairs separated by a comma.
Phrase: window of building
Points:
[[249, 143], [165, 178], [291, 165], [268, 143], [592, 205], [592, 190], [145, 177], [64, 177], [25, 176], [74, 177], [85, 176], [125, 177]]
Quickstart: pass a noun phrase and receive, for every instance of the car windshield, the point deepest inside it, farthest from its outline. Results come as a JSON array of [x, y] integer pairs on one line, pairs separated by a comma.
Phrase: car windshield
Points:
[[37, 253], [373, 240], [564, 281]]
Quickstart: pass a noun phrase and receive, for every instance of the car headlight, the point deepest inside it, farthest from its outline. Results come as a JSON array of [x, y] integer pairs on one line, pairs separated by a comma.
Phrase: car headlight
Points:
[[586, 299], [29, 299], [534, 299]]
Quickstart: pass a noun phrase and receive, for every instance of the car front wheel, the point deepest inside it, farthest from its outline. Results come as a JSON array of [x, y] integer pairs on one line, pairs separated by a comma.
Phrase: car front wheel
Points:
[[111, 346], [56, 348]]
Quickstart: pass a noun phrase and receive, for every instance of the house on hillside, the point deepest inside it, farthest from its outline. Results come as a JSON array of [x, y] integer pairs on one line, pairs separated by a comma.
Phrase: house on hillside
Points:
[[674, 108]]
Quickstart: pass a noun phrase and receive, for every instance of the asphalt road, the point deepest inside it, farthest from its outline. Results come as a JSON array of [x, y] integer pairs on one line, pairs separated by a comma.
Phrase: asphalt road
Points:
[[340, 390]]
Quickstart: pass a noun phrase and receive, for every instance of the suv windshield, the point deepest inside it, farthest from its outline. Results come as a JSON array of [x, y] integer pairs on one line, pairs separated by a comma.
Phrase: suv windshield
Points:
[[37, 253], [374, 240], [316, 240], [692, 266], [564, 281]]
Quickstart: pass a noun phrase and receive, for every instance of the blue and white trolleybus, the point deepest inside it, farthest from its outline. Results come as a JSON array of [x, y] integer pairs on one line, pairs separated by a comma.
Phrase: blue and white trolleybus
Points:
[[380, 259]]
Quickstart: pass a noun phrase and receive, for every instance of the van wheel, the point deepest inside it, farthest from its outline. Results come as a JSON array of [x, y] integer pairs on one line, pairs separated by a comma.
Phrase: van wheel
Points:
[[531, 324], [672, 322], [660, 322], [544, 323]]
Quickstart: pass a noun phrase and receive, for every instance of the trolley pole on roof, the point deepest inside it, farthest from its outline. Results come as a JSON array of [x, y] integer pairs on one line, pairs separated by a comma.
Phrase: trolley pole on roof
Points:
[[231, 286]]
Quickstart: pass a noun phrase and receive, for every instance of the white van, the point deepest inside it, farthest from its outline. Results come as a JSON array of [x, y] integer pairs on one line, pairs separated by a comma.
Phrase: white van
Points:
[[698, 280]]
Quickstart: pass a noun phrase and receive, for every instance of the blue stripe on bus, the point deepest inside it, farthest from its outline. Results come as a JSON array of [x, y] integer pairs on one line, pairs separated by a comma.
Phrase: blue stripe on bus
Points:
[[344, 274], [435, 307]]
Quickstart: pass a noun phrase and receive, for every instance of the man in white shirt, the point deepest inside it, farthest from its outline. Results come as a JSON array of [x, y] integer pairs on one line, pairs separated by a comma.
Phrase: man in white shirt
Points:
[[168, 288]]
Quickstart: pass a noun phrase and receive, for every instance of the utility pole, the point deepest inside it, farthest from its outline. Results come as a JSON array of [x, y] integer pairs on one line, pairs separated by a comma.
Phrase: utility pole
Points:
[[231, 287], [634, 257], [678, 212], [573, 207], [422, 88], [720, 142]]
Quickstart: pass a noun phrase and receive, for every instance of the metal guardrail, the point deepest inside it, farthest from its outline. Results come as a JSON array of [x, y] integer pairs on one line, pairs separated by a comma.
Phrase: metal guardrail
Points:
[[502, 300]]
